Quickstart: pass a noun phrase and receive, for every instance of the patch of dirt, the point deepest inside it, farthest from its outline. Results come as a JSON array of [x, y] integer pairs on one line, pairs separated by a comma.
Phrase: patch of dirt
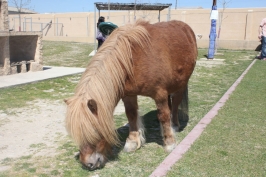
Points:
[[210, 63], [34, 130], [40, 123]]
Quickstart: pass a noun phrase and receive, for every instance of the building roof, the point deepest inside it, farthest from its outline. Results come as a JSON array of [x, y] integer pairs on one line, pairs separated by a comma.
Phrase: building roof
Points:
[[131, 6], [14, 10]]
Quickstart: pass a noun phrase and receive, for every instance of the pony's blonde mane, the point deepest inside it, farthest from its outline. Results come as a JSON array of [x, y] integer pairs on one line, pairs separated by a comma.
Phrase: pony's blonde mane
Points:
[[103, 81]]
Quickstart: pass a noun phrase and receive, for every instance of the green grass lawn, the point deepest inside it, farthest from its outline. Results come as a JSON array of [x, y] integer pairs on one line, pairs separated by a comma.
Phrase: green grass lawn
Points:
[[18, 96], [234, 143], [206, 87], [68, 54]]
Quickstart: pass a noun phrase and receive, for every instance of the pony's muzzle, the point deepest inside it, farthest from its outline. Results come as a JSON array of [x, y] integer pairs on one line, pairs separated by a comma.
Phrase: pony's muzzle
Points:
[[94, 162], [94, 166]]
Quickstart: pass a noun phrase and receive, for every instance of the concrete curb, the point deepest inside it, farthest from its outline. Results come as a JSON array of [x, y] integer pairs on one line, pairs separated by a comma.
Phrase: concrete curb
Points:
[[195, 133], [29, 77]]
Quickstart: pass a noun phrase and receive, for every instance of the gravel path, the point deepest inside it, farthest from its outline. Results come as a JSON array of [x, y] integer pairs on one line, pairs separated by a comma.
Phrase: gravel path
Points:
[[41, 123]]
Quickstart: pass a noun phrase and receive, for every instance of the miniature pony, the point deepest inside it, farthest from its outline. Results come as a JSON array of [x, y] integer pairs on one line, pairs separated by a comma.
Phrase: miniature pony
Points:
[[154, 60]]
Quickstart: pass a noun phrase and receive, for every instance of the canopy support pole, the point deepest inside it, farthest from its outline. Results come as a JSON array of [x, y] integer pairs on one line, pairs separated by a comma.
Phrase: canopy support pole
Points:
[[95, 28], [169, 13]]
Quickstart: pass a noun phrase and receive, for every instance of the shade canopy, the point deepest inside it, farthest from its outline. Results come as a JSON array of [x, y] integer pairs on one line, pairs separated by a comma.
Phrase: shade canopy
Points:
[[131, 6]]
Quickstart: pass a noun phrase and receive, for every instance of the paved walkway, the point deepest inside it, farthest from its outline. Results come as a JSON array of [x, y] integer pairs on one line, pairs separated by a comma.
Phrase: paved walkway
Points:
[[48, 73]]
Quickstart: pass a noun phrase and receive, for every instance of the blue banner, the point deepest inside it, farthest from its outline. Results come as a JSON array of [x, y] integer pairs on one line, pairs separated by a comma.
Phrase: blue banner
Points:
[[212, 37]]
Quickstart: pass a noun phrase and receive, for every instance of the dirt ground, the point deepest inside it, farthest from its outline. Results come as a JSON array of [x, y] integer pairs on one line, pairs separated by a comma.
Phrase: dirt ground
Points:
[[39, 124]]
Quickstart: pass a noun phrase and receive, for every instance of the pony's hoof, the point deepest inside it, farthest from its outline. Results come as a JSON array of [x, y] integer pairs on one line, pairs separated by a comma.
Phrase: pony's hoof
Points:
[[169, 148], [130, 146]]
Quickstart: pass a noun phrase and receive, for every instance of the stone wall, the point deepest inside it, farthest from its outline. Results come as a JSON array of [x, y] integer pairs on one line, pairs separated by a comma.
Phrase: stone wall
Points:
[[239, 27], [4, 55], [4, 26], [19, 51]]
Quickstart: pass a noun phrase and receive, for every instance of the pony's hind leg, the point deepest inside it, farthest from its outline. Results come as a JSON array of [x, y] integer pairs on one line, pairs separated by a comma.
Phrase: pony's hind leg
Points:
[[164, 117], [136, 130]]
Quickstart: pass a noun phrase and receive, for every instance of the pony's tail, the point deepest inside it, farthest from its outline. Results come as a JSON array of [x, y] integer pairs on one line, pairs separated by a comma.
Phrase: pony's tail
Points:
[[183, 116]]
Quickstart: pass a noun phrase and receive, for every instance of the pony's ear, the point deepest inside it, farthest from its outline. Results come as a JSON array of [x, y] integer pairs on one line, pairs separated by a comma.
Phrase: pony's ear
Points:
[[66, 101], [92, 105]]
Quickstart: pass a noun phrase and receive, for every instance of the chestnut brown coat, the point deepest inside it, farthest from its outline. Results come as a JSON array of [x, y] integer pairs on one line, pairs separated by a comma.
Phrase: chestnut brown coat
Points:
[[154, 60]]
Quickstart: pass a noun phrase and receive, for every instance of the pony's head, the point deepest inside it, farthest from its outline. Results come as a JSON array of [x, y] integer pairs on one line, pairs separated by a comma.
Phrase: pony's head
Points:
[[84, 125]]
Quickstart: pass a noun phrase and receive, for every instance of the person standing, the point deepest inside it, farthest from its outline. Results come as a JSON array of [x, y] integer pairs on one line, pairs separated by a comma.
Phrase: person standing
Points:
[[262, 37], [100, 36]]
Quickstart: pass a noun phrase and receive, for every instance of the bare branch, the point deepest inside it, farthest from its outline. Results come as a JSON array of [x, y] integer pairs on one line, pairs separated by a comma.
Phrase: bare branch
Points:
[[26, 3], [19, 4]]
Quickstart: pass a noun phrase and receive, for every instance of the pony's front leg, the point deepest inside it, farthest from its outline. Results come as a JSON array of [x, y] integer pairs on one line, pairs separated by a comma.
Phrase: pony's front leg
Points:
[[164, 116], [136, 131]]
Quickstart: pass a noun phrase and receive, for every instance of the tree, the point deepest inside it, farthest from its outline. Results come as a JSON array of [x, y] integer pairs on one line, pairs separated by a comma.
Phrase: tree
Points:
[[20, 4], [221, 18], [143, 13]]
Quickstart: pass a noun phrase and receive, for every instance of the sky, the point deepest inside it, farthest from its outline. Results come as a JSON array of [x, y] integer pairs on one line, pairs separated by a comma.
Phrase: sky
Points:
[[65, 6]]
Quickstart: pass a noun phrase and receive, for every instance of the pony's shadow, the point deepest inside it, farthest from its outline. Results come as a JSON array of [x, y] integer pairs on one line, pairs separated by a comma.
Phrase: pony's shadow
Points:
[[152, 135], [152, 132]]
